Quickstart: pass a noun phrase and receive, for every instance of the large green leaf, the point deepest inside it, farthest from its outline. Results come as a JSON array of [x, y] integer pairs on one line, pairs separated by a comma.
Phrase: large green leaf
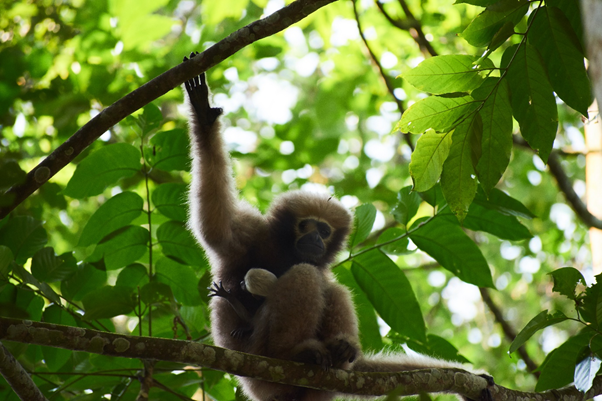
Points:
[[438, 347], [407, 205], [170, 151], [431, 151], [533, 102], [445, 242], [178, 244], [24, 236], [134, 275], [390, 293], [496, 140], [108, 301], [500, 201], [483, 28], [566, 280], [551, 33], [394, 241], [6, 257], [370, 337], [103, 168], [363, 222], [572, 11], [123, 248], [48, 268], [115, 213], [449, 73], [56, 357], [181, 279], [458, 181], [492, 221], [170, 200], [558, 368], [87, 278], [541, 321], [438, 113]]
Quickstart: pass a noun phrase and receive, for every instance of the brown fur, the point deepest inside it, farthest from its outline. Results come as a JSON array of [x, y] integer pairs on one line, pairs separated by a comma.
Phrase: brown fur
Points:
[[306, 315]]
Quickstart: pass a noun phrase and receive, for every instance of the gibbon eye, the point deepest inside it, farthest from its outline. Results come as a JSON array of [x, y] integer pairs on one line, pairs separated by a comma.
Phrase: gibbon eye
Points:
[[324, 230], [303, 226]]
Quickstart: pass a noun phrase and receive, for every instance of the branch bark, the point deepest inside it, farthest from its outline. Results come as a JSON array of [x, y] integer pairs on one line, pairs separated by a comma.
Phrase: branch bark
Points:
[[155, 88], [17, 377], [270, 369]]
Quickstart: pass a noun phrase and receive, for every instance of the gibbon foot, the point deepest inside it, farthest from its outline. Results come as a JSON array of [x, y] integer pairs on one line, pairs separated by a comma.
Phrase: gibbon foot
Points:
[[341, 351], [198, 93], [314, 356]]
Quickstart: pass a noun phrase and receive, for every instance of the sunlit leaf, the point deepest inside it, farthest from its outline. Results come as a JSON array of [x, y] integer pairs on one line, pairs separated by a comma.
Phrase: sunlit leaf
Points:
[[541, 321], [566, 280], [482, 29], [437, 113], [431, 151], [170, 200], [449, 73], [170, 151], [407, 205], [585, 372], [103, 168], [363, 222]]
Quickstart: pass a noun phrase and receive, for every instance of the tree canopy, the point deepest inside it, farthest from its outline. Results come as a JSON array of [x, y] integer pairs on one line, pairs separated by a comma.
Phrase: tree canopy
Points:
[[454, 132]]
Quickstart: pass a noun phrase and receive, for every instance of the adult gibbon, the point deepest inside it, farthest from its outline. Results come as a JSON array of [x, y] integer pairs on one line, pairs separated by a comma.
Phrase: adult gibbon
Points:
[[306, 315]]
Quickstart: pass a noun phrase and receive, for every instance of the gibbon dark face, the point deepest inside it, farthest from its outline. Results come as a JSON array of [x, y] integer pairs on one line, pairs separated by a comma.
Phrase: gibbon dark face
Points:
[[312, 239]]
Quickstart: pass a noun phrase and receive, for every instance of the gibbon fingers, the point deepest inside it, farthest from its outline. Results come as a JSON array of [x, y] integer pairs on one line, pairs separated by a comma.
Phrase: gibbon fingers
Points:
[[297, 311]]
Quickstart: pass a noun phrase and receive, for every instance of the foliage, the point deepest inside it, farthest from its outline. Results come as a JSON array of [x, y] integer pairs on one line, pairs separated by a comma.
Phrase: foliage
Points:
[[104, 244]]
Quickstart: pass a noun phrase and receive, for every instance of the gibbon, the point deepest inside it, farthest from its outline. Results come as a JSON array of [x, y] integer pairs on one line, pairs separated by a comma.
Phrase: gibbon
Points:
[[299, 312]]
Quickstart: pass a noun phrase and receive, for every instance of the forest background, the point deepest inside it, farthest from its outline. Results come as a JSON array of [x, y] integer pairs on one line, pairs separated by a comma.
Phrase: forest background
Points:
[[491, 90]]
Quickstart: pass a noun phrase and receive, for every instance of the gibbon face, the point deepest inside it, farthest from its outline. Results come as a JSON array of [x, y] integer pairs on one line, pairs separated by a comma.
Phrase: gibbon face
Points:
[[313, 237]]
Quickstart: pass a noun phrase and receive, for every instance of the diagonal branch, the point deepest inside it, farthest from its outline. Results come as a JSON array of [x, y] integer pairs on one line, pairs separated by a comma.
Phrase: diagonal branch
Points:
[[566, 186], [17, 377], [155, 88], [404, 383]]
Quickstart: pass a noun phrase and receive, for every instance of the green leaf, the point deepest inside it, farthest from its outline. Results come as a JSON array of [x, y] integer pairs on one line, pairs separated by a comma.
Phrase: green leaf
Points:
[[390, 293], [24, 236], [103, 168], [431, 151], [496, 140], [55, 358], [122, 249], [541, 321], [558, 368], [591, 306], [566, 280], [453, 249], [437, 113], [178, 244], [585, 372], [170, 151], [181, 279], [132, 276], [108, 301], [370, 337], [48, 268], [407, 205], [572, 11], [458, 180], [551, 33], [151, 118], [483, 28], [87, 278], [500, 201], [501, 36], [170, 200], [363, 223], [399, 247], [533, 102], [434, 196], [6, 258], [115, 213], [449, 73], [154, 292], [494, 222], [45, 290], [481, 3]]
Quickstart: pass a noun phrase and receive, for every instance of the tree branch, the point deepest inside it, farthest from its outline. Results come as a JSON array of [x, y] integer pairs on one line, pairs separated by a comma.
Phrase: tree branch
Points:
[[17, 377], [270, 369], [508, 330], [566, 186], [152, 90]]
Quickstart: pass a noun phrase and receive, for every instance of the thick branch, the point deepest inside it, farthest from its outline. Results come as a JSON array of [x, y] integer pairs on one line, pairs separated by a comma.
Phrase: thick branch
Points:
[[155, 88], [17, 377], [269, 369], [566, 186], [508, 330]]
